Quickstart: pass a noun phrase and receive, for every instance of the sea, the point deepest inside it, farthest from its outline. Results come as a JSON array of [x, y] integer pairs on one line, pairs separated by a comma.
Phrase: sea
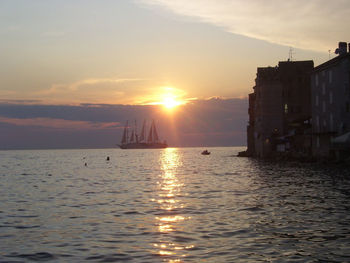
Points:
[[170, 205]]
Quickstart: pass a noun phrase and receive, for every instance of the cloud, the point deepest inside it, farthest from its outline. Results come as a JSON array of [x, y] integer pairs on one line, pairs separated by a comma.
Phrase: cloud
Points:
[[109, 91], [5, 93], [22, 102], [213, 122], [59, 123], [13, 28], [157, 95], [88, 85], [54, 34], [314, 25], [92, 90]]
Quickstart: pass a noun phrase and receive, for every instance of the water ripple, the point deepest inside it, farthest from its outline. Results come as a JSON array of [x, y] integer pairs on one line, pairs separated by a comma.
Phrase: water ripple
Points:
[[170, 206]]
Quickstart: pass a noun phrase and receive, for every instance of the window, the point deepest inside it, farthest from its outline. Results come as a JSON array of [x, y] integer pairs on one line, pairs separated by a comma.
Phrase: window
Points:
[[323, 106], [330, 97], [330, 76], [317, 122], [331, 121], [318, 141], [285, 108], [316, 102], [323, 88], [316, 79], [341, 127]]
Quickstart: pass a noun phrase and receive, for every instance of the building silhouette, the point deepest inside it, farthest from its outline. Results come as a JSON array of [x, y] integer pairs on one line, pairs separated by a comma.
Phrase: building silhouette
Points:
[[280, 111], [300, 111], [330, 85]]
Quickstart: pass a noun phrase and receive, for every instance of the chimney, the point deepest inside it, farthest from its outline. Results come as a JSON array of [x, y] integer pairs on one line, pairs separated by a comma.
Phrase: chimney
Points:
[[342, 48]]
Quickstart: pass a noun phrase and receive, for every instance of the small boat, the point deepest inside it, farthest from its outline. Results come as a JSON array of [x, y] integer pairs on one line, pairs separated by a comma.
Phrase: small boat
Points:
[[205, 152], [136, 142]]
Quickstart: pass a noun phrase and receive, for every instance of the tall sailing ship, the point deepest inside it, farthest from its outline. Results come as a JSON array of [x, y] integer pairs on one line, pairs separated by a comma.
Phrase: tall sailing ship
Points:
[[136, 141]]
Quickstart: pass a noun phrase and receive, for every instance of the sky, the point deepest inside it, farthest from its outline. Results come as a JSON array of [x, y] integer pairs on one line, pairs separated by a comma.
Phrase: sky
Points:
[[139, 52]]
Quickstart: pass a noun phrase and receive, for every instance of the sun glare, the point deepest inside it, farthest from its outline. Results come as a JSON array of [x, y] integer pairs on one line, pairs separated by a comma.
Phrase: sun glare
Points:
[[169, 98], [170, 102]]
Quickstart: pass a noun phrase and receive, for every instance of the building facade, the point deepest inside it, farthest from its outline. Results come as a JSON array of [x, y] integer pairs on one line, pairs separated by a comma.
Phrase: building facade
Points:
[[251, 125], [330, 101], [268, 117], [296, 85], [279, 109]]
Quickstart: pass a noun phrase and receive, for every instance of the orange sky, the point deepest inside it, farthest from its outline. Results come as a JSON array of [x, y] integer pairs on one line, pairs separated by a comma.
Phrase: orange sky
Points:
[[132, 52]]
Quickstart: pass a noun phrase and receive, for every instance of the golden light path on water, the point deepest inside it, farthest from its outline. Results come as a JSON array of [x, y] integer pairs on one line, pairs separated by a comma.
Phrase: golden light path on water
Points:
[[169, 189]]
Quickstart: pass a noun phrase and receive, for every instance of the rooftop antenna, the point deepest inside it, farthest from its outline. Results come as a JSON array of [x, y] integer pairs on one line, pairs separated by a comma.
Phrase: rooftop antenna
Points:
[[291, 52], [329, 54]]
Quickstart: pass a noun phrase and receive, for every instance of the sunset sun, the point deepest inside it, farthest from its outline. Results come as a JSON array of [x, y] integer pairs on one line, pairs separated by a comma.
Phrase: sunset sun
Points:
[[170, 103]]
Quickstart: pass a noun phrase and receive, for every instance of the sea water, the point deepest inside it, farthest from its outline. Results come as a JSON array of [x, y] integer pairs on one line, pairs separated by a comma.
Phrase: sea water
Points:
[[169, 205]]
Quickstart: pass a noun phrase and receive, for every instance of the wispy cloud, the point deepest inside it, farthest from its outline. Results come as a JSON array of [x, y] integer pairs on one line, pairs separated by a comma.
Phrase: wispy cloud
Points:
[[314, 24], [134, 91], [13, 28], [111, 91], [59, 123], [88, 84], [54, 34], [92, 90], [22, 102], [157, 95]]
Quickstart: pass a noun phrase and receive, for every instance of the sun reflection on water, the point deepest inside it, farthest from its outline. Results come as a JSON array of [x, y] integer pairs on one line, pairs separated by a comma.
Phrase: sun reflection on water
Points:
[[169, 203]]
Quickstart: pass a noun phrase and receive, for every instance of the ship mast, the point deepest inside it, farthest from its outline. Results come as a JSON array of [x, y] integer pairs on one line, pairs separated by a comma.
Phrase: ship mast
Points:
[[155, 134], [132, 135], [136, 135], [142, 136], [150, 135], [125, 134]]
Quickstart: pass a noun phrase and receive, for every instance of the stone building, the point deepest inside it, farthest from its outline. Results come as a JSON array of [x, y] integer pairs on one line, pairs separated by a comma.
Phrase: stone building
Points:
[[296, 97], [279, 109], [251, 125], [268, 119], [330, 87]]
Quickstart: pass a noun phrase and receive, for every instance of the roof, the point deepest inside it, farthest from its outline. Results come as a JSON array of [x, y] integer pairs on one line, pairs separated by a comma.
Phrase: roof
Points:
[[332, 62]]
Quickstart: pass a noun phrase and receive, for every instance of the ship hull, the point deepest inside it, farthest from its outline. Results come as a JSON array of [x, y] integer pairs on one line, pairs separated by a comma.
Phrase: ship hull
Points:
[[143, 146]]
